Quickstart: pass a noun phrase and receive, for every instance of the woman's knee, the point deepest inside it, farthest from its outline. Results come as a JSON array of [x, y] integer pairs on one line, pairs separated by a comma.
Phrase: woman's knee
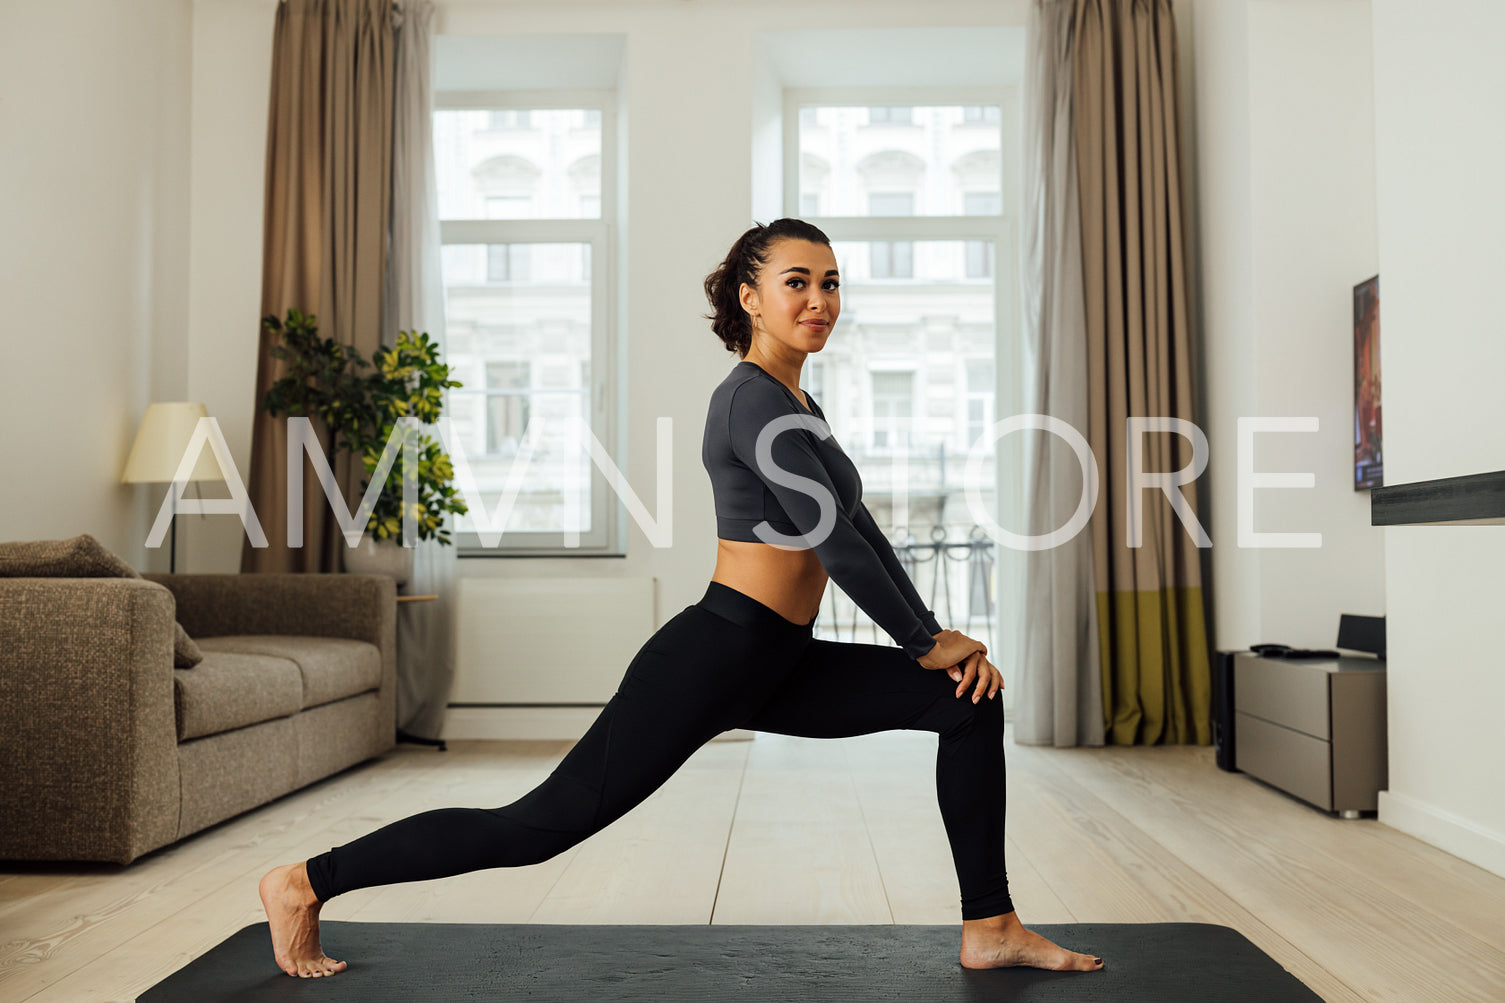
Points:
[[991, 715], [962, 716]]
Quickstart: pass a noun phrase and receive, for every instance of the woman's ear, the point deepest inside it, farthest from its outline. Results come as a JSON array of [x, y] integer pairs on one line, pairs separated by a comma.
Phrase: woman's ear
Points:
[[748, 296]]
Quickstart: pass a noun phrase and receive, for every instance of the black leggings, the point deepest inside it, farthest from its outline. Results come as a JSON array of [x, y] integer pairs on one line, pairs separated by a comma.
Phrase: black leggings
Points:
[[726, 662]]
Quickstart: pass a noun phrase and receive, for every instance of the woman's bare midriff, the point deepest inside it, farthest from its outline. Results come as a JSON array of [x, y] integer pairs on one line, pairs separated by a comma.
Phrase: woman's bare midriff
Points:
[[790, 582]]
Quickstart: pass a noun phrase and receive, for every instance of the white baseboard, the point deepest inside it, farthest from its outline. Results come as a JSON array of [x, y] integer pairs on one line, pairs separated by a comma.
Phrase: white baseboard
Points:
[[533, 724], [1457, 835]]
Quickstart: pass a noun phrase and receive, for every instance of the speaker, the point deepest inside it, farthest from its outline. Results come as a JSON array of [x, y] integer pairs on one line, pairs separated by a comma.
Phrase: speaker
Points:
[[1362, 633], [1222, 711]]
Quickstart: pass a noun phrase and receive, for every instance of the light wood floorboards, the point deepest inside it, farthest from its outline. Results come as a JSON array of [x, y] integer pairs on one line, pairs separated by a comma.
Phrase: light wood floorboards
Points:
[[783, 830]]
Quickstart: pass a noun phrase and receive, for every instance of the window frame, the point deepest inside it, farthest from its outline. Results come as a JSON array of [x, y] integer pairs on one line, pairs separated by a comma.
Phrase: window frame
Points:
[[1002, 230], [604, 538], [971, 393]]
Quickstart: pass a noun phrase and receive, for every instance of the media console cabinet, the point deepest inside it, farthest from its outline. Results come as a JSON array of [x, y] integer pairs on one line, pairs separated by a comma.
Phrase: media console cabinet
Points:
[[1315, 728]]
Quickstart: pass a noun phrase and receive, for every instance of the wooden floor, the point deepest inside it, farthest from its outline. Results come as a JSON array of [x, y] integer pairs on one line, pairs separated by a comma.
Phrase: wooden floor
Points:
[[781, 830]]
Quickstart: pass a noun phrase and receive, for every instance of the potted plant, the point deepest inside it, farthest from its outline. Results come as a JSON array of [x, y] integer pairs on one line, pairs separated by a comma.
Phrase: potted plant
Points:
[[327, 379]]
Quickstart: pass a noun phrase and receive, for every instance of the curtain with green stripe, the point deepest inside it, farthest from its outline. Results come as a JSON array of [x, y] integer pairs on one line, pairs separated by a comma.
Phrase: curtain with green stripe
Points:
[[1121, 654]]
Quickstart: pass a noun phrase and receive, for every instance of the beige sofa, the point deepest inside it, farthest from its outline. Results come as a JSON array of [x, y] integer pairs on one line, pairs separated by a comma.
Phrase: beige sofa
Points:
[[107, 751]]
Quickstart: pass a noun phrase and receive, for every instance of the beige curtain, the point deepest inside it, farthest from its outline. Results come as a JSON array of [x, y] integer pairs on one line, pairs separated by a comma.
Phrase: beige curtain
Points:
[[1151, 620], [1059, 700], [1120, 349], [415, 301], [328, 192]]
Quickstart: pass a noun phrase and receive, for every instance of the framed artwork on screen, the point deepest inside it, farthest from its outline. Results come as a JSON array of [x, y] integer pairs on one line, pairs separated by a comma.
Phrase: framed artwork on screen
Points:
[[1368, 457]]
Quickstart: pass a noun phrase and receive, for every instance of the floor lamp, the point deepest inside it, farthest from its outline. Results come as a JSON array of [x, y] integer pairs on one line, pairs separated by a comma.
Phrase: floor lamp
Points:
[[160, 444]]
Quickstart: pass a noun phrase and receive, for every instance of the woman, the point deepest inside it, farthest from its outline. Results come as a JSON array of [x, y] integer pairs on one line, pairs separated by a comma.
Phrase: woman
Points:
[[788, 514]]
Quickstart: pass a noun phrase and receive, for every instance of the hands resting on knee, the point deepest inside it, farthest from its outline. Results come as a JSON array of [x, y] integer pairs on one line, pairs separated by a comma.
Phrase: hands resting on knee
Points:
[[965, 661]]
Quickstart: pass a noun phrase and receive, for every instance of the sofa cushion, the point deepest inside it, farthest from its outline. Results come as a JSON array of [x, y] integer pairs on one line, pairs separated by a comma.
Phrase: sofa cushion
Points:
[[83, 557], [332, 667], [229, 690]]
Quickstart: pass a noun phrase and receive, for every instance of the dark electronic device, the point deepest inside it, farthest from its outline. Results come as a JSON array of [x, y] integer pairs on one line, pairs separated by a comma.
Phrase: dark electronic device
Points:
[[1286, 651], [1362, 633], [1222, 711]]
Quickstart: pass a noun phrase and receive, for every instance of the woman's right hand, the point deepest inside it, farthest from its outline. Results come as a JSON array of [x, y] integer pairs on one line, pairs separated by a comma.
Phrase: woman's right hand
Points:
[[951, 647]]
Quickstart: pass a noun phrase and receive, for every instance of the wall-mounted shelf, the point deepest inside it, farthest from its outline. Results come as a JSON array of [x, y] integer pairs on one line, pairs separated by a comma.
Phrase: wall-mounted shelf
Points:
[[1471, 500]]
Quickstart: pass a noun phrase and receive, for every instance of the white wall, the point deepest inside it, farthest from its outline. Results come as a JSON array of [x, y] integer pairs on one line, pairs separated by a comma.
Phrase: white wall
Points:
[[1225, 209], [1286, 151], [232, 74], [1439, 141], [93, 267], [1339, 139]]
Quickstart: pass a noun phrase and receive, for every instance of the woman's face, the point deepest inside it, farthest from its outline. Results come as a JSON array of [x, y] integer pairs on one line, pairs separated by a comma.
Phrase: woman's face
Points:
[[798, 297]]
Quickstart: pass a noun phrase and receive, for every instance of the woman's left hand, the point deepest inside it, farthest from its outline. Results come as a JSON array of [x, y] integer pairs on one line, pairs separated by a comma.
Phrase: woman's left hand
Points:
[[977, 672]]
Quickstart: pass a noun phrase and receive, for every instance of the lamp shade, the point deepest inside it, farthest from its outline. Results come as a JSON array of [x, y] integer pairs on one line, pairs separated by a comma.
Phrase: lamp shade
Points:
[[161, 441]]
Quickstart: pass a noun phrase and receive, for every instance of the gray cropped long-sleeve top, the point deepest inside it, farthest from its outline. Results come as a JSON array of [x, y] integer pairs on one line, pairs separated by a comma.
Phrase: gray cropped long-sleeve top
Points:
[[802, 472]]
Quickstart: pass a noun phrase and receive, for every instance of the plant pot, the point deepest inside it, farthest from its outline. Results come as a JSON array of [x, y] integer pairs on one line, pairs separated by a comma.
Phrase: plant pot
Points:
[[379, 557]]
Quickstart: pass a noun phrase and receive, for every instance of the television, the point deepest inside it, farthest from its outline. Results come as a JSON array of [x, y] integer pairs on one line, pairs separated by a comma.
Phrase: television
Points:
[[1368, 462]]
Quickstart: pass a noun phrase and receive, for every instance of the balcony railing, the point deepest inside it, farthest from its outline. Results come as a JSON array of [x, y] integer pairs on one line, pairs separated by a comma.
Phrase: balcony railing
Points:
[[955, 577]]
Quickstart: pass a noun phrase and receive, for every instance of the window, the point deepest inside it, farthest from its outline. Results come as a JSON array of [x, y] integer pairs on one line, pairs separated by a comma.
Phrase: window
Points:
[[815, 381], [933, 163], [980, 252], [506, 406], [919, 224], [509, 206], [508, 118], [978, 378], [890, 204], [893, 406], [898, 116], [506, 262], [525, 201], [891, 259]]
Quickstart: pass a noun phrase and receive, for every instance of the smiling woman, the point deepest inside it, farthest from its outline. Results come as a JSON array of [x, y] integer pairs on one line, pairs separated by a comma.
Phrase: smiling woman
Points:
[[789, 252], [744, 655], [768, 311]]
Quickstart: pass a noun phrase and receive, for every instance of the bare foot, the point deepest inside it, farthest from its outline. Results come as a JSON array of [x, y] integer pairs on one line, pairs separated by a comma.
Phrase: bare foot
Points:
[[293, 914], [1003, 942]]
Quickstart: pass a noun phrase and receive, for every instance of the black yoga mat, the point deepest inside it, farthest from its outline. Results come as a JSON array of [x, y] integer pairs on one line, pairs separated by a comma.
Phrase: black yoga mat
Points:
[[1143, 963]]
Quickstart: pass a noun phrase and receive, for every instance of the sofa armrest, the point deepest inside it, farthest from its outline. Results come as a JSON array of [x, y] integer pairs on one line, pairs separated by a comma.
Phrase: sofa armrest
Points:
[[88, 737], [360, 607]]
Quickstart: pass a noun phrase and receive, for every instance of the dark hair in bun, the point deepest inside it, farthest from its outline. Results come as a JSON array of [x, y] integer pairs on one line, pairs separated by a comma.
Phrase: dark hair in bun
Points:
[[744, 263]]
